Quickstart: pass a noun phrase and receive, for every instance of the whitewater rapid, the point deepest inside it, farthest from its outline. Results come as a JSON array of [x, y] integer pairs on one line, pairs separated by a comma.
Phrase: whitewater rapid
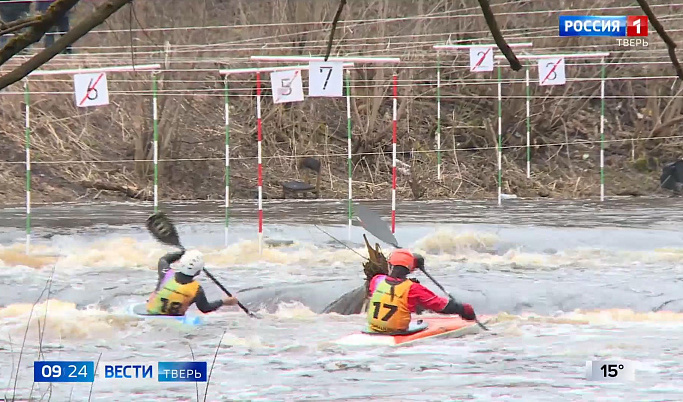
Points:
[[565, 282]]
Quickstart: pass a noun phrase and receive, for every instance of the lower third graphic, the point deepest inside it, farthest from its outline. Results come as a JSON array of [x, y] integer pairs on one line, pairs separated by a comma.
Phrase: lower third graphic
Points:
[[153, 371]]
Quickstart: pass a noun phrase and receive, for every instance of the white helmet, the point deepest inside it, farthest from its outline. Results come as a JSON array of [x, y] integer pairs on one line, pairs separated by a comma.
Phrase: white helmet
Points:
[[191, 263]]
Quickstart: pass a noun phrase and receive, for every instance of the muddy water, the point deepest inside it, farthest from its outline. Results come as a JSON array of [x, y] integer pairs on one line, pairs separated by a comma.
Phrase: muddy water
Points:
[[564, 283]]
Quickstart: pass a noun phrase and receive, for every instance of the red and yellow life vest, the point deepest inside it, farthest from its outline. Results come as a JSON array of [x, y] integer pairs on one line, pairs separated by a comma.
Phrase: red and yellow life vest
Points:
[[172, 298], [388, 311]]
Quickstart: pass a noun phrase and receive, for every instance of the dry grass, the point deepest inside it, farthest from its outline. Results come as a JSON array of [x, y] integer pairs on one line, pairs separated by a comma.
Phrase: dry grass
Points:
[[191, 113]]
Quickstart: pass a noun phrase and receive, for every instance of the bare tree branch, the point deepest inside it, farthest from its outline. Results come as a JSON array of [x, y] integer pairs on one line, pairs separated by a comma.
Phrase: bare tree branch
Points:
[[96, 18], [498, 36], [670, 44], [342, 3], [57, 10], [18, 24]]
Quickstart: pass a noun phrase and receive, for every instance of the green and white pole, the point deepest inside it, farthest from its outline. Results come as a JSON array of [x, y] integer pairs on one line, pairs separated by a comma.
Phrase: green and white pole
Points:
[[601, 55], [138, 68], [438, 116], [602, 129], [500, 113], [227, 159], [27, 135], [349, 134], [528, 125], [500, 138], [156, 141]]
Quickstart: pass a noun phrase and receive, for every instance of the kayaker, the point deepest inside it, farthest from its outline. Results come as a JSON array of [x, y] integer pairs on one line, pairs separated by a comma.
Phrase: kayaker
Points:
[[177, 291], [394, 297]]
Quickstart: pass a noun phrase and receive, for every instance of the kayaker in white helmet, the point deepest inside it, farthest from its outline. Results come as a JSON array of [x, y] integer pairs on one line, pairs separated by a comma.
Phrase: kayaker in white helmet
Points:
[[394, 297], [177, 288]]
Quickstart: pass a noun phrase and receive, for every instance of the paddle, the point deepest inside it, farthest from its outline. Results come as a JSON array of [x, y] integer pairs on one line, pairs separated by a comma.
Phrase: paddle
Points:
[[161, 227], [376, 226]]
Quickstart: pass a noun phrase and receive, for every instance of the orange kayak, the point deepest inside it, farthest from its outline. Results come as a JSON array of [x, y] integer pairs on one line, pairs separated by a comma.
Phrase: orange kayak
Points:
[[424, 328]]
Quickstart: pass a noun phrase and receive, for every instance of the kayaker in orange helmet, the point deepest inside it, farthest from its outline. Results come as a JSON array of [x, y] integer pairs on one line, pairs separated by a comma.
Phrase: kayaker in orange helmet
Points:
[[394, 297], [177, 291]]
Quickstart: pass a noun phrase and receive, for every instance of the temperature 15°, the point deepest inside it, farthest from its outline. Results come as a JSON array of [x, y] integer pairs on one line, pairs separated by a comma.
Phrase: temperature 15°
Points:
[[611, 370]]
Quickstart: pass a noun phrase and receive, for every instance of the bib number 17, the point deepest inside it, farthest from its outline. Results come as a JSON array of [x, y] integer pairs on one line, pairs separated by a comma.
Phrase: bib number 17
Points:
[[391, 310]]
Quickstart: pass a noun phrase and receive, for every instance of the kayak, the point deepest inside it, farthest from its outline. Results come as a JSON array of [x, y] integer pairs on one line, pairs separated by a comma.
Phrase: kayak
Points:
[[424, 328], [140, 311]]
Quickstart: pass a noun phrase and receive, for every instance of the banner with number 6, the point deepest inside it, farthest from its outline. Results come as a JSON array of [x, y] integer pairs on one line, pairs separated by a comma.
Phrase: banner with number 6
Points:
[[287, 86], [551, 71], [91, 89], [326, 79]]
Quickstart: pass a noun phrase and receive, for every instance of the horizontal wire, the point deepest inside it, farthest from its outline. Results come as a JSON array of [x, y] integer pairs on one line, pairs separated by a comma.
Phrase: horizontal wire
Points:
[[365, 40], [236, 93], [343, 23], [345, 154]]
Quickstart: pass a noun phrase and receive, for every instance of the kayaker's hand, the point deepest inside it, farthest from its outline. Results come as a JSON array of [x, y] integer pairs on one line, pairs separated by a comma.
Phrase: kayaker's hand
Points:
[[229, 301], [468, 312]]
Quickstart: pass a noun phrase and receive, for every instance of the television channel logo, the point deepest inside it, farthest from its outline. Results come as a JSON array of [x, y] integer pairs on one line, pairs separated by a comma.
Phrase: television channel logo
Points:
[[634, 27]]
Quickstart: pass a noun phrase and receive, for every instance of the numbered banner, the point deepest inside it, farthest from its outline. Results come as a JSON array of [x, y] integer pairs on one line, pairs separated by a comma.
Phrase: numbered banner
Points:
[[91, 89], [287, 86], [326, 79], [551, 71], [481, 59]]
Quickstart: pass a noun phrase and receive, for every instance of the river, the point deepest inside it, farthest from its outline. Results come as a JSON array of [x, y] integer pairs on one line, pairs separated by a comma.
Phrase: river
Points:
[[565, 282]]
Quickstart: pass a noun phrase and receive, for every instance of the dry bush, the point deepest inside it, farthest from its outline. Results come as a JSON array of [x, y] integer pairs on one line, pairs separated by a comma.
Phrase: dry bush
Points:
[[102, 142]]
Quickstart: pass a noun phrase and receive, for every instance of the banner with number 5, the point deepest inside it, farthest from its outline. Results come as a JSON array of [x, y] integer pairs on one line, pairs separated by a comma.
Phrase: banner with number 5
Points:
[[287, 86], [551, 71], [326, 79]]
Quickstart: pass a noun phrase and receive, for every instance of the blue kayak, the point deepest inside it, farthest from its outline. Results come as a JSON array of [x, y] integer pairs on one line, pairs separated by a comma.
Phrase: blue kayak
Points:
[[140, 311]]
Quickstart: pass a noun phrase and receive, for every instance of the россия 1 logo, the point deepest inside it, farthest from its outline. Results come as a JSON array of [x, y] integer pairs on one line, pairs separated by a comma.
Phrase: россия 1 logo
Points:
[[632, 26]]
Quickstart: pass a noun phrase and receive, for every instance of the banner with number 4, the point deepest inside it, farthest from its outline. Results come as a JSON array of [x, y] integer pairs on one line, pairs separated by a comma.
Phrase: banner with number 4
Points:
[[91, 89], [287, 86], [326, 79], [551, 71]]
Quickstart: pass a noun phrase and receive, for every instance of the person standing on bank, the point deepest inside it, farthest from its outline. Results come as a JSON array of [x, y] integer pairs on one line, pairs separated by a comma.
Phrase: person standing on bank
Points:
[[62, 24], [10, 11]]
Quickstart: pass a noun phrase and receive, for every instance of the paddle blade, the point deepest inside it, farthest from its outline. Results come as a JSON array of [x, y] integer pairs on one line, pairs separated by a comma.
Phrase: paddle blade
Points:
[[161, 227], [375, 225]]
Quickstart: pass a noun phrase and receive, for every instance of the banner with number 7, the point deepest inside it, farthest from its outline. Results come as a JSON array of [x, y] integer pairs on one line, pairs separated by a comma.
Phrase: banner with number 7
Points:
[[326, 79]]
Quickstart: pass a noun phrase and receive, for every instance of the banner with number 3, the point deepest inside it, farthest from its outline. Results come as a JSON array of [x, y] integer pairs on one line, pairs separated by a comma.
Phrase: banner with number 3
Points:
[[551, 71], [326, 79], [287, 86]]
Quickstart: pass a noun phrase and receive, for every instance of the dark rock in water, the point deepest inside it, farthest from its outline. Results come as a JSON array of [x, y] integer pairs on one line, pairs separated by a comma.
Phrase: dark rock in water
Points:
[[345, 245], [279, 243], [672, 176], [349, 303]]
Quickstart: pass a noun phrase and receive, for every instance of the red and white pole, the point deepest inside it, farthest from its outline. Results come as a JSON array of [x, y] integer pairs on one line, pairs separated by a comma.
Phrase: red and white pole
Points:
[[259, 133], [393, 158]]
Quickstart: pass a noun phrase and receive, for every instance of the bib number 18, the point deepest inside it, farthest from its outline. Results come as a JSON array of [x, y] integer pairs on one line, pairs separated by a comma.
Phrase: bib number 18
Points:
[[173, 309]]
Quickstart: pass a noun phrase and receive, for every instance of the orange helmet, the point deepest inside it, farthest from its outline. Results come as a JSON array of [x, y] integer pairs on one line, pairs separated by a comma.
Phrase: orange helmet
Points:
[[404, 258]]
